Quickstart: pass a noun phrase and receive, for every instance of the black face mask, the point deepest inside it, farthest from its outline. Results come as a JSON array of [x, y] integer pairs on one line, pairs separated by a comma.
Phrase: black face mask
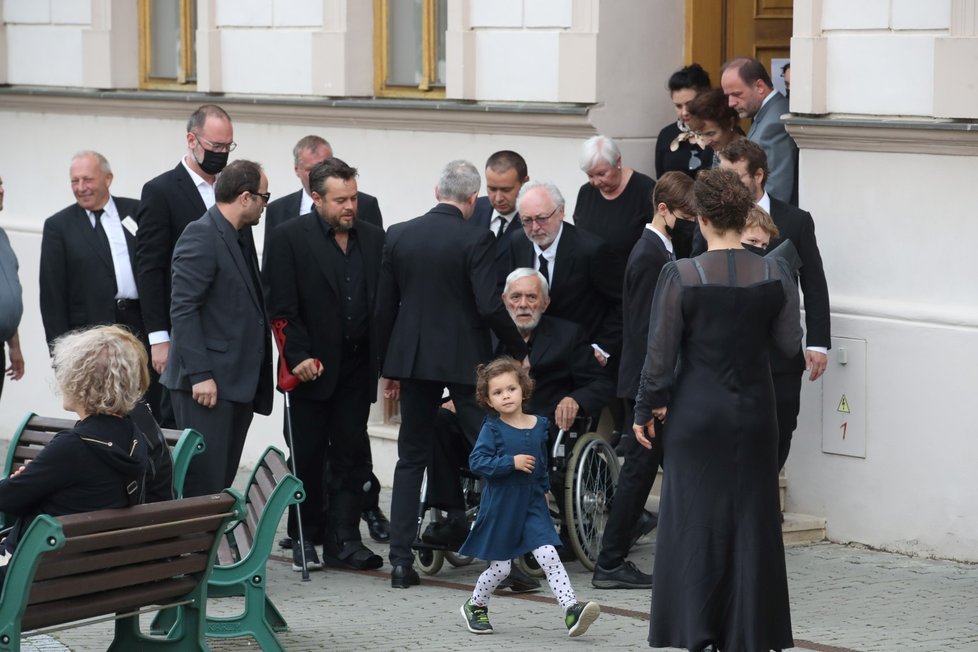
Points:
[[213, 162], [755, 249], [681, 229]]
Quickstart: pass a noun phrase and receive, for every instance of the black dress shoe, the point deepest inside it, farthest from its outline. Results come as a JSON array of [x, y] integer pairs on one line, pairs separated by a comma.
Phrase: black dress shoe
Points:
[[626, 576], [404, 576], [377, 524], [645, 524], [519, 582], [451, 534], [285, 543]]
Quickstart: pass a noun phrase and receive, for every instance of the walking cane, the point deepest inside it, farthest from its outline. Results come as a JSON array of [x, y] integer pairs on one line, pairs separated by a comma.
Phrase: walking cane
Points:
[[287, 382]]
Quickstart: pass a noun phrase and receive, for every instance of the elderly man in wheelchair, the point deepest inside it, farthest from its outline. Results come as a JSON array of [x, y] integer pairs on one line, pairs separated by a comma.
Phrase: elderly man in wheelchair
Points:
[[571, 389]]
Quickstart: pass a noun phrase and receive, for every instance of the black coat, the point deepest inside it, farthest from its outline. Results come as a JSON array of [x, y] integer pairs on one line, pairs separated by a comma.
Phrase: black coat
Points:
[[641, 276], [437, 300], [77, 275], [285, 208], [481, 218], [301, 288], [584, 289]]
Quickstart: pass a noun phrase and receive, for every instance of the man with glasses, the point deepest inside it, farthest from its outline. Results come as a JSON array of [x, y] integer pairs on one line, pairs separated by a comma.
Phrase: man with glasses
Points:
[[220, 368], [576, 264], [168, 204]]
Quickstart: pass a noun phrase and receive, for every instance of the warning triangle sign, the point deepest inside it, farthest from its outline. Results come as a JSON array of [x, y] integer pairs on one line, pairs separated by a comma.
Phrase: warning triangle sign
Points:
[[843, 405]]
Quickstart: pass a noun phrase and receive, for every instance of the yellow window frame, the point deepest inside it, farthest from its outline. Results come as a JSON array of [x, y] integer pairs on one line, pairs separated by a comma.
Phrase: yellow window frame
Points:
[[429, 55], [187, 39]]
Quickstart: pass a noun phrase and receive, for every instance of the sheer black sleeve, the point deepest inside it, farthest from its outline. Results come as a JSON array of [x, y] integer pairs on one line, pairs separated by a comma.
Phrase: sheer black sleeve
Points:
[[786, 330], [665, 335]]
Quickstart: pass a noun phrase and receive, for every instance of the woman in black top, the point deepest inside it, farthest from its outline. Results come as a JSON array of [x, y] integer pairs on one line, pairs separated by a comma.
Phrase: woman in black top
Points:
[[675, 148]]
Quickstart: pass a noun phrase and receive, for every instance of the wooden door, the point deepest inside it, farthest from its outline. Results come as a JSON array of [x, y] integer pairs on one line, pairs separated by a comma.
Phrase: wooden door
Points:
[[719, 30]]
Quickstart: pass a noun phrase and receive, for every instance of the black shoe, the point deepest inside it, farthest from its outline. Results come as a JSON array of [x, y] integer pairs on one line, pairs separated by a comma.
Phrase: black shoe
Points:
[[312, 558], [404, 576], [351, 555], [451, 534], [377, 524], [645, 524], [519, 582], [579, 617], [285, 543], [626, 576]]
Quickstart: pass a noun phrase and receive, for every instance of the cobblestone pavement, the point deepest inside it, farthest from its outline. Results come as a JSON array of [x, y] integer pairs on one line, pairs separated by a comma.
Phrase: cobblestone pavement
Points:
[[842, 598]]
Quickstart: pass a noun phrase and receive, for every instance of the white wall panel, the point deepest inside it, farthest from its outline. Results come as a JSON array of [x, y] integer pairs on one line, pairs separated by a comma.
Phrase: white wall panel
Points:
[[71, 12], [914, 14], [865, 14], [880, 74], [244, 13], [46, 55], [26, 11], [265, 61], [548, 13], [297, 13], [517, 66], [496, 13]]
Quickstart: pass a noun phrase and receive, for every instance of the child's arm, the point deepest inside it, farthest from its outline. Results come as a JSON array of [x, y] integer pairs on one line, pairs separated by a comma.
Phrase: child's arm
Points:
[[486, 460]]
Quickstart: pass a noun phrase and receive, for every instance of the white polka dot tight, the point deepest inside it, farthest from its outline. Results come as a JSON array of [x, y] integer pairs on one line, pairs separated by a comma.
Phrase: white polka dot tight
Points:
[[549, 561]]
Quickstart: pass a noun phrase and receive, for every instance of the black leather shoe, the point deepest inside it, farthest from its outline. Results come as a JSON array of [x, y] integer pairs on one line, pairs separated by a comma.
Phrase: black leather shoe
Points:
[[626, 576], [645, 524], [519, 582], [450, 534], [285, 543], [404, 576], [377, 524]]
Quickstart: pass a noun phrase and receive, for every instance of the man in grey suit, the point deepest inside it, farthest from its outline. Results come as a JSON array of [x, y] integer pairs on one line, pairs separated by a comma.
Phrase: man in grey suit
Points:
[[749, 90], [220, 367]]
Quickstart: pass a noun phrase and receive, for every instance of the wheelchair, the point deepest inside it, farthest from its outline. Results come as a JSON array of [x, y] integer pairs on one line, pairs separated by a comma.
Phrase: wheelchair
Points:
[[583, 477]]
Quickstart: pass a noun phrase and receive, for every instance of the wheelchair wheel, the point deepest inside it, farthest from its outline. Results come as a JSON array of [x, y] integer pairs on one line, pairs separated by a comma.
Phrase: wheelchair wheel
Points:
[[589, 489], [457, 560], [528, 564], [430, 561]]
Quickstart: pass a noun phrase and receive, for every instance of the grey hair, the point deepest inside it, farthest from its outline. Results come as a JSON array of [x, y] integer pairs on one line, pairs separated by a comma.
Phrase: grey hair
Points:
[[527, 272], [102, 161], [459, 180], [310, 143], [596, 149], [551, 189]]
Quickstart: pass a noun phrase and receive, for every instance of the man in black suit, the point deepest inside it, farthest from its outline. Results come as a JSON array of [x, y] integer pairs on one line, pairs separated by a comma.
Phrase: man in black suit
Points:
[[505, 174], [322, 279], [672, 203], [309, 152], [748, 160], [436, 305], [568, 382], [168, 204], [576, 265], [88, 254], [220, 370]]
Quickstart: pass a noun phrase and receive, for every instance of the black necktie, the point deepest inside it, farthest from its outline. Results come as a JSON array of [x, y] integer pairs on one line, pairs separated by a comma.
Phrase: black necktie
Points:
[[100, 233], [544, 268], [502, 227]]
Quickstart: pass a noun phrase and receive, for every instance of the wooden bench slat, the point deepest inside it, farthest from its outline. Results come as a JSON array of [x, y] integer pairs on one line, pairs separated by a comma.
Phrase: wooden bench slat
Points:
[[51, 424], [65, 566], [123, 537], [37, 437], [94, 583], [124, 600], [266, 483], [86, 522], [276, 465]]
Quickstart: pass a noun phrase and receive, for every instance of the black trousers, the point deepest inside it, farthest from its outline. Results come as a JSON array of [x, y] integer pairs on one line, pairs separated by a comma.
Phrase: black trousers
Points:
[[451, 451], [787, 396], [420, 400], [224, 428], [634, 484], [331, 453], [127, 313]]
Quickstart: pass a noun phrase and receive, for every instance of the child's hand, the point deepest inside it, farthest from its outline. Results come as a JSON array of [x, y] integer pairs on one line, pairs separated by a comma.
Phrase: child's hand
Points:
[[524, 463]]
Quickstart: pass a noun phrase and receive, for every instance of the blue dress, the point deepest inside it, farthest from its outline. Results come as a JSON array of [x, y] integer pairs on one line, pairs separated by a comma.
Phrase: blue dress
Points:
[[513, 514]]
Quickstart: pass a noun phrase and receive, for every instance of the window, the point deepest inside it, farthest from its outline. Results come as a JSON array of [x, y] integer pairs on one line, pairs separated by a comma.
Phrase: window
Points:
[[409, 47], [167, 57]]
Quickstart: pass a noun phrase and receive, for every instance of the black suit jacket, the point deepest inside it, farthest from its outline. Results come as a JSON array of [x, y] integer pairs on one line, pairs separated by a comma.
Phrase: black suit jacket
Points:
[[562, 363], [285, 208], [584, 289], [302, 290], [798, 226], [167, 205], [220, 327], [481, 218], [77, 276], [645, 262], [437, 300]]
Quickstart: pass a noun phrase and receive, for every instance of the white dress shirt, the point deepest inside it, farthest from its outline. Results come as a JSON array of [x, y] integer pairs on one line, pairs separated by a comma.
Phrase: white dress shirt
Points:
[[125, 280]]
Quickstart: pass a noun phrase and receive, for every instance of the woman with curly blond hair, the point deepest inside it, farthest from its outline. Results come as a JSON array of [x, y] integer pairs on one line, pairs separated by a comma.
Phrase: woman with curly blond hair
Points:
[[102, 461]]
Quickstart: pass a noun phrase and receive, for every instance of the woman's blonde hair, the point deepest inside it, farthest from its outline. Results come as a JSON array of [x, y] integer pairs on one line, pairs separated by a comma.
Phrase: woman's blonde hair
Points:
[[101, 370]]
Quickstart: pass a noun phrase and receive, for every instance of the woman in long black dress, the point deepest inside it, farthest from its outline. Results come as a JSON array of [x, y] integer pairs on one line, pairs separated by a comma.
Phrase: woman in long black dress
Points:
[[720, 580]]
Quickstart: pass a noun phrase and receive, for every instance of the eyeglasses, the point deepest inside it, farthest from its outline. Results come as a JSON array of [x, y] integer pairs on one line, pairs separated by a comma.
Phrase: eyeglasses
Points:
[[528, 222], [264, 195], [217, 147]]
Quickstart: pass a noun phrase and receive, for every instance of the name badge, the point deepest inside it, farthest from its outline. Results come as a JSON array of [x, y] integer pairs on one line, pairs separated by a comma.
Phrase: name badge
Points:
[[130, 225]]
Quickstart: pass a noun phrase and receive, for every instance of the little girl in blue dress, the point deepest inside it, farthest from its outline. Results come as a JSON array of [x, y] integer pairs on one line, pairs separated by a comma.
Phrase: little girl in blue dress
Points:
[[511, 453]]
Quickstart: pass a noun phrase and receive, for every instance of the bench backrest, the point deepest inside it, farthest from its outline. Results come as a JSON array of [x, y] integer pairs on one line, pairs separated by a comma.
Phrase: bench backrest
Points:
[[35, 432], [270, 490], [117, 560]]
